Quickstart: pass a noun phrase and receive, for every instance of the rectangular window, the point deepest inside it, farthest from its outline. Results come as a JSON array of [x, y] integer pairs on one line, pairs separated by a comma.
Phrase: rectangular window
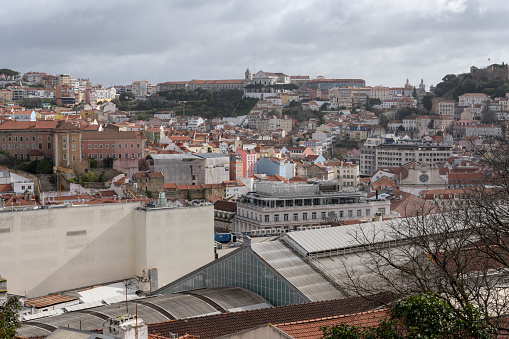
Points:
[[64, 146], [266, 218], [21, 139], [95, 146], [100, 146], [139, 157], [381, 211], [313, 215], [324, 215], [89, 146], [359, 213], [304, 216], [15, 139], [40, 145], [120, 155], [73, 158], [95, 156], [112, 145], [74, 147], [276, 217], [107, 146], [33, 138], [64, 156], [73, 139], [350, 213], [285, 217], [119, 145], [341, 214], [296, 216], [367, 212]]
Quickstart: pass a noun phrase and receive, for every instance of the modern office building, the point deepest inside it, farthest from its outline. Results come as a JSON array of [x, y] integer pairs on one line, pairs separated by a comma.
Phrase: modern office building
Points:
[[289, 206]]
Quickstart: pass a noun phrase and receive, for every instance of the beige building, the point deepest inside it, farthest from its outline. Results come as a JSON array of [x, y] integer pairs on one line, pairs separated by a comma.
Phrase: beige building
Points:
[[446, 107], [5, 95], [56, 249]]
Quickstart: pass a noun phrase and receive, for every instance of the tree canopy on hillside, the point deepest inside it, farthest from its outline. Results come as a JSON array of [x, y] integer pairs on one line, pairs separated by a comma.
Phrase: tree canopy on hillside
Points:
[[8, 72]]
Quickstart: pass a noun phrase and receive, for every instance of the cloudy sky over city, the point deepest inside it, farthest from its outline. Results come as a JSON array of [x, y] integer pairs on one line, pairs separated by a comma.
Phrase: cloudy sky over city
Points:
[[383, 42]]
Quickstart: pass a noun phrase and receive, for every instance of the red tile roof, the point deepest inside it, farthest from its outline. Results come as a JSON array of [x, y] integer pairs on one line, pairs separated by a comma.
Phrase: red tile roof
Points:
[[226, 323], [49, 300], [310, 329]]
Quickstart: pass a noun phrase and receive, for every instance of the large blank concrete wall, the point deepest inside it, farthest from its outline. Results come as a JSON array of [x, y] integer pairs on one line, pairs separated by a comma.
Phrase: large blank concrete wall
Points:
[[177, 241], [44, 251]]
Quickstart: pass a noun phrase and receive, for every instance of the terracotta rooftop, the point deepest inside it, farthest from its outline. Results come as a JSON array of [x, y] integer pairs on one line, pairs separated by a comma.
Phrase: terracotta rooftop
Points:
[[49, 300], [226, 206], [310, 329], [226, 323]]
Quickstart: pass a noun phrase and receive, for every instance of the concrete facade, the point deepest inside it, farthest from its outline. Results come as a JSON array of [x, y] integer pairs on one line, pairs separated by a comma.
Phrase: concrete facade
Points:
[[191, 169], [50, 250]]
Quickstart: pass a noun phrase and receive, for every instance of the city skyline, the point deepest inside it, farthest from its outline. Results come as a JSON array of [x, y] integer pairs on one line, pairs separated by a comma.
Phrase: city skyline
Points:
[[384, 43]]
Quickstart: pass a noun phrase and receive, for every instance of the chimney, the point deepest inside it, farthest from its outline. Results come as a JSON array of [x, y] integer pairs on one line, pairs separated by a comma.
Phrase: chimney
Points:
[[125, 327]]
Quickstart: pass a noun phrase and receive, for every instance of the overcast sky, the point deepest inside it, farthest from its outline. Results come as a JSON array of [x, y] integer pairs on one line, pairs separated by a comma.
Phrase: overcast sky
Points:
[[381, 41]]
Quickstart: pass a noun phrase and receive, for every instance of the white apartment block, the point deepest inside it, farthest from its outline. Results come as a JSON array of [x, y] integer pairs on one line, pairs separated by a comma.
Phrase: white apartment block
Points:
[[288, 206], [396, 155], [469, 99]]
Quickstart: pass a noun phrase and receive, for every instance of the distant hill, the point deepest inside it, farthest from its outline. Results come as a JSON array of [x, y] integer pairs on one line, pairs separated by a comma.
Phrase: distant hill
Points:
[[202, 102], [492, 80]]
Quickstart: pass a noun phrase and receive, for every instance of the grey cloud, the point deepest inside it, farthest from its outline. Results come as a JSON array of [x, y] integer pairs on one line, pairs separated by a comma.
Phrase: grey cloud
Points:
[[380, 41]]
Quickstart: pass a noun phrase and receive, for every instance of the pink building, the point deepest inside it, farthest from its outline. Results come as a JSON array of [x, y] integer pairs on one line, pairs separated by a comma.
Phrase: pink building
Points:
[[248, 161]]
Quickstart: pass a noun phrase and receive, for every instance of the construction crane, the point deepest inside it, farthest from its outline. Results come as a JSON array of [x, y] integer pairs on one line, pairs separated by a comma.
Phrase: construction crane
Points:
[[58, 170], [184, 105]]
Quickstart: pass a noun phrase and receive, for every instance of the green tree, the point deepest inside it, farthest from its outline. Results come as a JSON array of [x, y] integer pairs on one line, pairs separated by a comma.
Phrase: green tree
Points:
[[92, 162], [9, 318], [383, 120], [44, 166], [488, 116], [419, 316], [427, 102], [126, 96], [108, 162], [8, 72]]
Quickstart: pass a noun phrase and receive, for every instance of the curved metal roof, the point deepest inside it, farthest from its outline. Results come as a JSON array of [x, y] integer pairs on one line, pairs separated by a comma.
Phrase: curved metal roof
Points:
[[152, 309]]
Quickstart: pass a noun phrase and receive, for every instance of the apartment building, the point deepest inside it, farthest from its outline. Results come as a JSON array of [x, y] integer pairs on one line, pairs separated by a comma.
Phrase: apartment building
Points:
[[469, 99], [446, 107], [396, 155], [288, 206], [367, 163], [249, 159]]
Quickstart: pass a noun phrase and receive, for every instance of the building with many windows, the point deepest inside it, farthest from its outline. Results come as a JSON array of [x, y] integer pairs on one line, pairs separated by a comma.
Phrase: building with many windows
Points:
[[289, 206], [396, 155]]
